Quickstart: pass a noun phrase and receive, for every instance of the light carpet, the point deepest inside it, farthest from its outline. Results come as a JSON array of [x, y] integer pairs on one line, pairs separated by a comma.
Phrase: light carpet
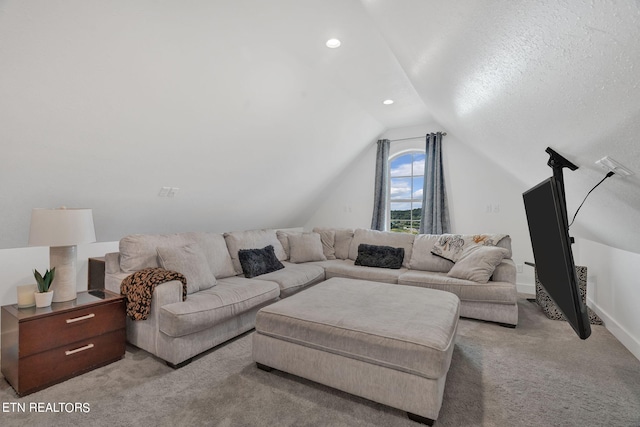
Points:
[[539, 374]]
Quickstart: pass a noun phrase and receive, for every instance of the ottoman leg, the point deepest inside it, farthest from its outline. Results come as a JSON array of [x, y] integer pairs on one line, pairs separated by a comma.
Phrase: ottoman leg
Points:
[[420, 419], [264, 367]]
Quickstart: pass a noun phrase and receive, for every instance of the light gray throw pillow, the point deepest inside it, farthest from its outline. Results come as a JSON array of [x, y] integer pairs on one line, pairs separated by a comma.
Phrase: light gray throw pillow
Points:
[[305, 247], [477, 263], [191, 262]]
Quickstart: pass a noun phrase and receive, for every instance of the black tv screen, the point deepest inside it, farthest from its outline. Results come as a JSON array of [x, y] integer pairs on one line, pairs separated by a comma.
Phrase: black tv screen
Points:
[[548, 226]]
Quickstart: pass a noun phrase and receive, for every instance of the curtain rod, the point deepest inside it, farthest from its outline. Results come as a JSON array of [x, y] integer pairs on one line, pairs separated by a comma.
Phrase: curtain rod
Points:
[[414, 137]]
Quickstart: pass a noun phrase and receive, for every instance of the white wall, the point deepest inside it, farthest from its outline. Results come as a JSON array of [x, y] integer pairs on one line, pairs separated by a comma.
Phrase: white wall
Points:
[[613, 289], [18, 264], [474, 183], [103, 103]]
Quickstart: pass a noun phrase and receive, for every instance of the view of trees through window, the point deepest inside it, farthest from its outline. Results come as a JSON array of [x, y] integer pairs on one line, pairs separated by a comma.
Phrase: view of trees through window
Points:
[[406, 181]]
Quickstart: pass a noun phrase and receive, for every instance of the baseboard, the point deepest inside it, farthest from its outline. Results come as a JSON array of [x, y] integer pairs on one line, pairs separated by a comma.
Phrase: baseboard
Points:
[[629, 341]]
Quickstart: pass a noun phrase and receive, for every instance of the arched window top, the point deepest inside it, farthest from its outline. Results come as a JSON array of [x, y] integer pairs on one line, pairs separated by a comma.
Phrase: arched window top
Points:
[[406, 182]]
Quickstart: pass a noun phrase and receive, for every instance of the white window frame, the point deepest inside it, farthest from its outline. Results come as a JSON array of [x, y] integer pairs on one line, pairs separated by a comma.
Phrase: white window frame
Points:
[[412, 176]]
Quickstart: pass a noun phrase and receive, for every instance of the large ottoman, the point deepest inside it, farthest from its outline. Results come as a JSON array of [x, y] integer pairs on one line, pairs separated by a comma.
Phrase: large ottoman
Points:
[[388, 343]]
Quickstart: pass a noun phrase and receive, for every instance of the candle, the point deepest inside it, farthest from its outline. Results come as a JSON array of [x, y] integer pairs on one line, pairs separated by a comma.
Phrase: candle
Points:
[[26, 297]]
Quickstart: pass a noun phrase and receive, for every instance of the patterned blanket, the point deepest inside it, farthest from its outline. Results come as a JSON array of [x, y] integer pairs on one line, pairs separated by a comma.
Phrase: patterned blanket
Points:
[[138, 289], [451, 246]]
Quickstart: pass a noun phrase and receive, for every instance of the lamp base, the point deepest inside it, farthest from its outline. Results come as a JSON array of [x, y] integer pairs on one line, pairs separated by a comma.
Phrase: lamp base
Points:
[[63, 258]]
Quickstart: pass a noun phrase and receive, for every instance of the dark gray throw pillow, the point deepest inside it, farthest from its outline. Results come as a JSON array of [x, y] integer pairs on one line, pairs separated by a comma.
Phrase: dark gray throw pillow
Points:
[[379, 256], [255, 262]]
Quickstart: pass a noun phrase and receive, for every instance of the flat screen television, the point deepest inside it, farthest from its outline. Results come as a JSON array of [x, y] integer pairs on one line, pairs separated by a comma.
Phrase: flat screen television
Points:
[[548, 226]]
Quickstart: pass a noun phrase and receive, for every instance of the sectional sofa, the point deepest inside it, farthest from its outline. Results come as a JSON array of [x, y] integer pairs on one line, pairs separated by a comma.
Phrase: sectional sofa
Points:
[[222, 303]]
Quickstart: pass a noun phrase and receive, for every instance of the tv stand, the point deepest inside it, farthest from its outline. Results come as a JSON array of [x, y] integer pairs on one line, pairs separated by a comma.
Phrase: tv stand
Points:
[[557, 162]]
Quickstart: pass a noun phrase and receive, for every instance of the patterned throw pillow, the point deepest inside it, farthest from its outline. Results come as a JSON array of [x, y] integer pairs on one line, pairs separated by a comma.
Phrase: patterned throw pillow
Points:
[[451, 246], [256, 262]]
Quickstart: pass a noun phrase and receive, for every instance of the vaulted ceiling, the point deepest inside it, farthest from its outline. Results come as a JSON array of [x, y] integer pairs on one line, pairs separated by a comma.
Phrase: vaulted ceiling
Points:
[[512, 78], [240, 104]]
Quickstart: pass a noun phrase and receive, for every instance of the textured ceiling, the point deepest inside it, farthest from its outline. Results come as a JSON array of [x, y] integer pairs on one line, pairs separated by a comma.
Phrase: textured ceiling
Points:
[[511, 78]]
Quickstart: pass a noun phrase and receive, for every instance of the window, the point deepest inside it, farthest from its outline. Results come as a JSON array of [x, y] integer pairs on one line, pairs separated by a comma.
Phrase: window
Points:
[[406, 179]]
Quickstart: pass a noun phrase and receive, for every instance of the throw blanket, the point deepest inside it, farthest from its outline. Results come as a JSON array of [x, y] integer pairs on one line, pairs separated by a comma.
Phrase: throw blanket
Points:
[[138, 289], [451, 246]]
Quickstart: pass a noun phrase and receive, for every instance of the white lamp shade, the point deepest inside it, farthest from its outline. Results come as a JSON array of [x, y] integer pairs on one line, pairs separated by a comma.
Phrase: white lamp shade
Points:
[[61, 227]]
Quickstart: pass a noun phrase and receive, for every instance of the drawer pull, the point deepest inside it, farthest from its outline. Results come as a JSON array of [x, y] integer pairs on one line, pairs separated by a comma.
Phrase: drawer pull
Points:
[[77, 319], [77, 350]]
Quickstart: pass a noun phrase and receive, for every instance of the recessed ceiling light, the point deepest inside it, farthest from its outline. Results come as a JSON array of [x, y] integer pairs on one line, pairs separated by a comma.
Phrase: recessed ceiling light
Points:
[[333, 43], [387, 101]]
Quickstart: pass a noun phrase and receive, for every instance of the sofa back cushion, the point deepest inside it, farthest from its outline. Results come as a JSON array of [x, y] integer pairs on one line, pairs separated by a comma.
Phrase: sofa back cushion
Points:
[[341, 245], [382, 238], [423, 259], [328, 240], [215, 250], [506, 244], [190, 261], [252, 239], [139, 251]]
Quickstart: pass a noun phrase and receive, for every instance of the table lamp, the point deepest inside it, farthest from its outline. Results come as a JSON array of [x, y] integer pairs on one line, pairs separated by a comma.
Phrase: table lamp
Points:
[[62, 229]]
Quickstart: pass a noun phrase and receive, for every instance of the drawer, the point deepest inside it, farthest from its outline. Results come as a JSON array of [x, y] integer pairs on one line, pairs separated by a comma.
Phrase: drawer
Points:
[[61, 329], [46, 368]]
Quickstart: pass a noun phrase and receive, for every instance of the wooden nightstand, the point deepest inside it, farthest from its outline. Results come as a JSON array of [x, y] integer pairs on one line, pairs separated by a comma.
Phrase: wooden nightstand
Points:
[[45, 346]]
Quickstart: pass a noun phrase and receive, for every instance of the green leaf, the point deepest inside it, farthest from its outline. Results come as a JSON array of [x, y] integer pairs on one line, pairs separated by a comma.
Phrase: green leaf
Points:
[[38, 276]]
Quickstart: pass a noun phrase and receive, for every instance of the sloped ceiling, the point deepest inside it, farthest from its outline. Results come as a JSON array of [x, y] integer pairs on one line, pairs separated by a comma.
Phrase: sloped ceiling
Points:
[[510, 78], [240, 105]]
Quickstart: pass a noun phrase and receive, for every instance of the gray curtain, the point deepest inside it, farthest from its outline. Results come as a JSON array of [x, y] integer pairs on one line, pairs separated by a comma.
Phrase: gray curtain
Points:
[[435, 212], [379, 219]]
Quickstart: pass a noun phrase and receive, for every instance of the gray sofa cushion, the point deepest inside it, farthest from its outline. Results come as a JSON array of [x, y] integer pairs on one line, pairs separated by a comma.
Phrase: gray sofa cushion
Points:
[[347, 269], [343, 239], [283, 237], [215, 249], [423, 259], [328, 239], [191, 263], [305, 247], [492, 292], [505, 272], [252, 239], [401, 327], [205, 309], [382, 238], [295, 277], [138, 251], [477, 263]]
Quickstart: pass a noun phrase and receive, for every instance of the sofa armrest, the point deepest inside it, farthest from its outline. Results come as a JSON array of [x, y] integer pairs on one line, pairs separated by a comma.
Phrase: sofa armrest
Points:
[[505, 271], [113, 276], [112, 262], [144, 333]]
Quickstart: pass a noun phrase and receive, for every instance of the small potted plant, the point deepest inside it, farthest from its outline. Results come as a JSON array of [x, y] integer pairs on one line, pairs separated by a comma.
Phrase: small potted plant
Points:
[[44, 295]]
